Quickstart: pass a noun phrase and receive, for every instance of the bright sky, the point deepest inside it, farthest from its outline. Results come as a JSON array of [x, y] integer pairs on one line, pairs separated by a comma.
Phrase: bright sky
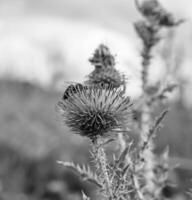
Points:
[[29, 35]]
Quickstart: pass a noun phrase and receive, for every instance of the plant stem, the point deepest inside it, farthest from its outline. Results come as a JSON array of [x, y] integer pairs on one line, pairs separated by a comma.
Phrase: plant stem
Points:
[[101, 165], [146, 118]]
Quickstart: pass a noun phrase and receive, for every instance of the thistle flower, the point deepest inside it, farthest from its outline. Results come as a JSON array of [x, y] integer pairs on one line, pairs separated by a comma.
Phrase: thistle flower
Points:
[[155, 13], [95, 111], [105, 73]]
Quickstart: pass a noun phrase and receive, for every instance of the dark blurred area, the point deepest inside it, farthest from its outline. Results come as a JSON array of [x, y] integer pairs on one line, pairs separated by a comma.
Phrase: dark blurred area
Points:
[[33, 139], [40, 50]]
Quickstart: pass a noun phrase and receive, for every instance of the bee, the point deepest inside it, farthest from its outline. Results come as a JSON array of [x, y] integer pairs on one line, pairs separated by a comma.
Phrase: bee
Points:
[[76, 88], [72, 89]]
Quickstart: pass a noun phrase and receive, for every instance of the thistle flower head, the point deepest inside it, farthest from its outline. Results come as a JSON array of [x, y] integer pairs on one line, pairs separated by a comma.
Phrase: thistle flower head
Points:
[[95, 111], [102, 57], [104, 73]]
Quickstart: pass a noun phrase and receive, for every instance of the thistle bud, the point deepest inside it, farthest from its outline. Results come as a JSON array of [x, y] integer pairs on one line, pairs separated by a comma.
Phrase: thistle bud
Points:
[[155, 13], [105, 73], [147, 33]]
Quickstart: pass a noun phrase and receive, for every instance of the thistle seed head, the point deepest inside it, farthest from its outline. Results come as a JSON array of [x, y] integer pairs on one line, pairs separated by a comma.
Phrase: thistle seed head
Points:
[[95, 111]]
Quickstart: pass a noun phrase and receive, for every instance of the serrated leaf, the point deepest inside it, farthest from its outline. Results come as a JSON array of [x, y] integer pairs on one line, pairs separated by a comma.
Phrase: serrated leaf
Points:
[[85, 172], [124, 153]]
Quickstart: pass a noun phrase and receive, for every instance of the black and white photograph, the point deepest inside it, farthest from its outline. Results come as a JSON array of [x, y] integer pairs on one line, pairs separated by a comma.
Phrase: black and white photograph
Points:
[[95, 100]]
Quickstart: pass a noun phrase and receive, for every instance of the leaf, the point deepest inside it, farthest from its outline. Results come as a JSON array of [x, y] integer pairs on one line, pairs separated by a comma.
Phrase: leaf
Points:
[[123, 155], [154, 129], [85, 172]]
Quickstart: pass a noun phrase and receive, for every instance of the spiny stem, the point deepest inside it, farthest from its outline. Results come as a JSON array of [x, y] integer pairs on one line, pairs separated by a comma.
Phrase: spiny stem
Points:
[[101, 164]]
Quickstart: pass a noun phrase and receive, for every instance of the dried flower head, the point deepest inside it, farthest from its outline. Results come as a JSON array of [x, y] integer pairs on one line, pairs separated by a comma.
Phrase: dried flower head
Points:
[[95, 111], [102, 57], [104, 73], [155, 13]]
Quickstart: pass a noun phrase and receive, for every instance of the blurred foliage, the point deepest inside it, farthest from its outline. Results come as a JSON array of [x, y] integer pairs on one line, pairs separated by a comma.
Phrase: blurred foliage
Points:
[[32, 139]]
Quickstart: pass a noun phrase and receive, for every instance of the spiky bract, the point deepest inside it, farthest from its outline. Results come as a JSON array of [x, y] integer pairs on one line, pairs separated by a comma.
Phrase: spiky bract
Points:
[[106, 77], [95, 111]]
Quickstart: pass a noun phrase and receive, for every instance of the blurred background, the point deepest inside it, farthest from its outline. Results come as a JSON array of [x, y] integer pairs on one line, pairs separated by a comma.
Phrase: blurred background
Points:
[[46, 44]]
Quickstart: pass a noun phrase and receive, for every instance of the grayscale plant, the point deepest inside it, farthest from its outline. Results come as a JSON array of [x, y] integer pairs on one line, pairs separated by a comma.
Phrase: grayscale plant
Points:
[[100, 110], [93, 111]]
